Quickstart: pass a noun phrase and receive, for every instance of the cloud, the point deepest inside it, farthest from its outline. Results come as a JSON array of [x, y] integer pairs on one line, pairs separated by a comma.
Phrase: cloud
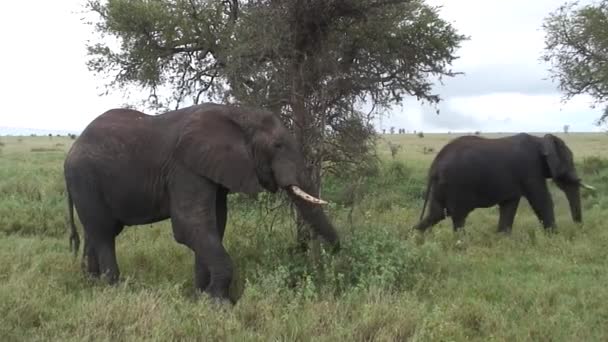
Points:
[[45, 82], [504, 112], [448, 119], [505, 86], [489, 79]]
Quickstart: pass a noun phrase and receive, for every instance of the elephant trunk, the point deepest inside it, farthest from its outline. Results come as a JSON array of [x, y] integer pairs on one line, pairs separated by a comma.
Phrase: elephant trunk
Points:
[[312, 212], [574, 199]]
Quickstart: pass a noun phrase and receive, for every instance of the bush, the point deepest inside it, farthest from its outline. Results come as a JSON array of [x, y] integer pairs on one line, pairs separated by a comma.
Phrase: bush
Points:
[[593, 165]]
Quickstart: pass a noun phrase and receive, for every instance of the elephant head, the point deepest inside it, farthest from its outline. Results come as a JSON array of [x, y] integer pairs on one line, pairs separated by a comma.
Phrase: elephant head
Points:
[[247, 150], [560, 167]]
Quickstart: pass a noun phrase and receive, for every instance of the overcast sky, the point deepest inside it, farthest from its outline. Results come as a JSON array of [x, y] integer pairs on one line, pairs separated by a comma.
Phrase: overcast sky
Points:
[[45, 84]]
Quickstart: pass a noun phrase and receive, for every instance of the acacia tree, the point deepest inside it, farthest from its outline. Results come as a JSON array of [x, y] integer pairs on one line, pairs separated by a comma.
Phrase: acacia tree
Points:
[[314, 62], [576, 45]]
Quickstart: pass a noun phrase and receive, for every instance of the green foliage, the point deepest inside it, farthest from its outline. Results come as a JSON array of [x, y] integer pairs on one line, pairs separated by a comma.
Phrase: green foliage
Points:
[[188, 45], [576, 45]]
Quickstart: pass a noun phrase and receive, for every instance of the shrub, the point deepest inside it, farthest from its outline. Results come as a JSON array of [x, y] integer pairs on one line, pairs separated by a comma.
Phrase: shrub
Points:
[[593, 165]]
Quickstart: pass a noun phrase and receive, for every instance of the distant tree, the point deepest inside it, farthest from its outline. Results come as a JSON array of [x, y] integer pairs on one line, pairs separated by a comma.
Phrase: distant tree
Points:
[[384, 131], [314, 62], [576, 46], [420, 134], [392, 130], [566, 128]]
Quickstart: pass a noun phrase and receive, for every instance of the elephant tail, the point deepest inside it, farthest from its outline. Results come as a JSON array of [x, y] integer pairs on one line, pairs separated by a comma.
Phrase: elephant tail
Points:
[[426, 196], [74, 237]]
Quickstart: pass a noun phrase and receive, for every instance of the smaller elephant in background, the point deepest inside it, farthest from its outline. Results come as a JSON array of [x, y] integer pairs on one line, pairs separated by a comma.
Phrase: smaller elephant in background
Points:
[[476, 172]]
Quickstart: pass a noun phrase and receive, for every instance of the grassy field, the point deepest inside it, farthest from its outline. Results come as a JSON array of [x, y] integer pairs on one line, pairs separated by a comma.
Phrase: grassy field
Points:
[[387, 284]]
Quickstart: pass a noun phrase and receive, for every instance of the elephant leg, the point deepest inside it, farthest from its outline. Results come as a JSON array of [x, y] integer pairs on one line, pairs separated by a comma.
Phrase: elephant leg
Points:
[[193, 216], [100, 255], [458, 219], [106, 255], [507, 215], [100, 231], [221, 210], [202, 275], [219, 265], [90, 264], [436, 213], [540, 200]]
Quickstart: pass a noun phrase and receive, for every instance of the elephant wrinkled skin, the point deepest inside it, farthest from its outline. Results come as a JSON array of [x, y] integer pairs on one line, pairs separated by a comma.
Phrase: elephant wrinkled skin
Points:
[[129, 168], [475, 172]]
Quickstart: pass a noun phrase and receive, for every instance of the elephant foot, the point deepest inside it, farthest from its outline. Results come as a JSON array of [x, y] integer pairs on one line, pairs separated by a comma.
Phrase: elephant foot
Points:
[[215, 299]]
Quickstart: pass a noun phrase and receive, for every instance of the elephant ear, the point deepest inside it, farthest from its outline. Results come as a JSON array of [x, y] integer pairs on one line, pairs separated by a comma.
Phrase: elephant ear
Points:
[[554, 152], [214, 147]]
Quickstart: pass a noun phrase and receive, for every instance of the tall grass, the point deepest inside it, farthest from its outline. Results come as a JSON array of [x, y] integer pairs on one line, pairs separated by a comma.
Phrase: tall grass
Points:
[[387, 284]]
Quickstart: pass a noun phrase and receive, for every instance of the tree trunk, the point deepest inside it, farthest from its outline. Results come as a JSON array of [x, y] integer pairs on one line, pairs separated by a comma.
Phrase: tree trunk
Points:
[[305, 134], [300, 116]]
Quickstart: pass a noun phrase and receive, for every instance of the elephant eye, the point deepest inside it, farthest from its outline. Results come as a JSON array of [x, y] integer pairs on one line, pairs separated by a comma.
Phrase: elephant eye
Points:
[[277, 145]]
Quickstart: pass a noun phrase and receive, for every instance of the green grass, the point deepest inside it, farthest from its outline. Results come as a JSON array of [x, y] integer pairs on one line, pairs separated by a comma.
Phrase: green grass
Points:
[[387, 284]]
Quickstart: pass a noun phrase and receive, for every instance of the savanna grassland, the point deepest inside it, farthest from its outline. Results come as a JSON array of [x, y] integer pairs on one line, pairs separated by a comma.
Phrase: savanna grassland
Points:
[[387, 284]]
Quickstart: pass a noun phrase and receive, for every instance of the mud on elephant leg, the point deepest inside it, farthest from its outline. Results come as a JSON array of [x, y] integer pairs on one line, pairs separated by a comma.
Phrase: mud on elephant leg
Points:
[[507, 215]]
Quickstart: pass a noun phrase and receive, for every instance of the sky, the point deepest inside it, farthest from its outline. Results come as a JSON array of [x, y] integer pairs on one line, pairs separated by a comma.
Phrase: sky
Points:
[[45, 84]]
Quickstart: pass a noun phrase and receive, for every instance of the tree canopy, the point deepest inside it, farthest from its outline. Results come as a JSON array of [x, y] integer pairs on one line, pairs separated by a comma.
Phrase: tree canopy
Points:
[[311, 60], [576, 45]]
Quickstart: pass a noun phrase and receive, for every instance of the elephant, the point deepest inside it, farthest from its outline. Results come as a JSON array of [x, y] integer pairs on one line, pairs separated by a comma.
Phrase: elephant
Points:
[[476, 172], [131, 168]]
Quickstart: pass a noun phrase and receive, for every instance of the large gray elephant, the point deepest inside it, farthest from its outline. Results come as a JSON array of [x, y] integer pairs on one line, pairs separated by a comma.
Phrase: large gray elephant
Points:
[[129, 168], [475, 172]]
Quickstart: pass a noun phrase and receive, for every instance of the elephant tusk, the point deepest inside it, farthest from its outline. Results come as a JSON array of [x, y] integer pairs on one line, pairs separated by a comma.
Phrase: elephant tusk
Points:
[[587, 186], [305, 196]]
